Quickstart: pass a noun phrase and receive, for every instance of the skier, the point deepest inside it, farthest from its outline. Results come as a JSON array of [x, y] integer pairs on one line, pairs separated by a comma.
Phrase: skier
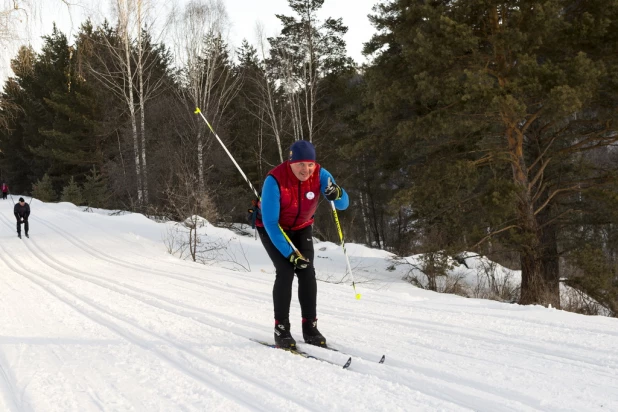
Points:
[[21, 212], [5, 190], [289, 200]]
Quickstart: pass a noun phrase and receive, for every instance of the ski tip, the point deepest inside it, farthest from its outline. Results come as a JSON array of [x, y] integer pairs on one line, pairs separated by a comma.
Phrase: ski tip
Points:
[[347, 364], [383, 359]]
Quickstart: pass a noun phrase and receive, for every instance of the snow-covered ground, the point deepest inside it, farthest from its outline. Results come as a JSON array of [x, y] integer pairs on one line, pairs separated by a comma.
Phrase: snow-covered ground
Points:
[[96, 315]]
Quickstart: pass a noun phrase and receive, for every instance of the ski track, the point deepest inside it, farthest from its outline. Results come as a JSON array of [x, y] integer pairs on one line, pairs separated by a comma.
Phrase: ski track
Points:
[[530, 349], [247, 400], [119, 262], [482, 337], [177, 262], [527, 322], [422, 367], [457, 393], [442, 311], [7, 388], [97, 318], [462, 397]]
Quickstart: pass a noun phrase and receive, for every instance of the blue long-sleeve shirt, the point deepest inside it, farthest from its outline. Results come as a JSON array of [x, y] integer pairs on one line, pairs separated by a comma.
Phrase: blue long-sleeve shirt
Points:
[[271, 207]]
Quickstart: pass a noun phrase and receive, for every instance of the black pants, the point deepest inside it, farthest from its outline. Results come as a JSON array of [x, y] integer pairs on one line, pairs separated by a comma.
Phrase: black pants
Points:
[[307, 285], [25, 223], [4, 195]]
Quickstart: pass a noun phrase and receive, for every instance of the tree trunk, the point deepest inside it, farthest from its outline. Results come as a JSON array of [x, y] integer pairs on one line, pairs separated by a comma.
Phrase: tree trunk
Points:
[[550, 259], [533, 287], [131, 106], [140, 75], [366, 223]]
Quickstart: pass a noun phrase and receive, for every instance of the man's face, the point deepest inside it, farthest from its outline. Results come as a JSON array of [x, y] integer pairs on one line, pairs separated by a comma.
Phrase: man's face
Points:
[[303, 170], [21, 202]]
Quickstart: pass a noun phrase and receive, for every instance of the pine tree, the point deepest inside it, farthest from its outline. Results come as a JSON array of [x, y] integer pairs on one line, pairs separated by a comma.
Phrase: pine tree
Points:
[[44, 190], [493, 108], [69, 138], [15, 158], [307, 50], [95, 192], [56, 128], [72, 193]]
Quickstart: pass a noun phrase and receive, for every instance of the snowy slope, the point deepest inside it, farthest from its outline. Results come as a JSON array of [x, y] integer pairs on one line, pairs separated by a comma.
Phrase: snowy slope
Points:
[[95, 315]]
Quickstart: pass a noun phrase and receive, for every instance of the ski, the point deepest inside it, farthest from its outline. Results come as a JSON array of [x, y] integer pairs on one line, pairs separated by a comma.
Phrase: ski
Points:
[[382, 359], [304, 354]]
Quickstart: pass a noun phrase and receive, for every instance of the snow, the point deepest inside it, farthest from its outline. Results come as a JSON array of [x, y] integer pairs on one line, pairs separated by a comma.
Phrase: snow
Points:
[[95, 315]]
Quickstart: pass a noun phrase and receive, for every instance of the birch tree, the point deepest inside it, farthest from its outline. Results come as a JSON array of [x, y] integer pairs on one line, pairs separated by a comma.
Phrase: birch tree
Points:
[[263, 95], [129, 69], [201, 52]]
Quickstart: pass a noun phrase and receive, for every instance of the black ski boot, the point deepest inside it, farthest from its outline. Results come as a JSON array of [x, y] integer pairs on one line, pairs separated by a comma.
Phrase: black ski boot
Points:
[[283, 337], [27, 236], [311, 334], [19, 235]]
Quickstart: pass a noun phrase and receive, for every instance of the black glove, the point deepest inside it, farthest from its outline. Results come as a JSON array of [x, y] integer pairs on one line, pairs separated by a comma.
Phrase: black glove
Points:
[[298, 262], [332, 191]]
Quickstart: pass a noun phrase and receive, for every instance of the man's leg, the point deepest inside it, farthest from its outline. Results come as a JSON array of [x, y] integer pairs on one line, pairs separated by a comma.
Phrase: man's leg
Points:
[[282, 292], [307, 285], [282, 289], [18, 228], [26, 227], [308, 289]]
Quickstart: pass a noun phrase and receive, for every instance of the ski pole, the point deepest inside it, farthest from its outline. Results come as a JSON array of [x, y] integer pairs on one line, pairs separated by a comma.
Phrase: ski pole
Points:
[[198, 111], [358, 295]]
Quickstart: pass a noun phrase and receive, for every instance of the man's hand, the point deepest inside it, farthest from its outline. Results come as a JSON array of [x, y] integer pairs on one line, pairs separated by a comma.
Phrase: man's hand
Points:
[[332, 191], [298, 262]]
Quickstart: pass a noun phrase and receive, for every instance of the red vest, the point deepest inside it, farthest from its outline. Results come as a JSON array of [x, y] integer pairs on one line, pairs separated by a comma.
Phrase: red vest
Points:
[[299, 200]]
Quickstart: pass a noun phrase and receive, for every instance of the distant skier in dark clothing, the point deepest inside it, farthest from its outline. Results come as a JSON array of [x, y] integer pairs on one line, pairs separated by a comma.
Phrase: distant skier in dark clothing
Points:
[[21, 212], [289, 200], [5, 190]]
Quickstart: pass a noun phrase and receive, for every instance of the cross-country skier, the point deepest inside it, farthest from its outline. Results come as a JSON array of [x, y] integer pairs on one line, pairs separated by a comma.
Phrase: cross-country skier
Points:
[[21, 212], [289, 200], [5, 190]]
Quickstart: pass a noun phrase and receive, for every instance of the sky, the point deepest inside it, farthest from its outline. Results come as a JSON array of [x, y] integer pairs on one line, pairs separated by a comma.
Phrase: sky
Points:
[[244, 14], [96, 315]]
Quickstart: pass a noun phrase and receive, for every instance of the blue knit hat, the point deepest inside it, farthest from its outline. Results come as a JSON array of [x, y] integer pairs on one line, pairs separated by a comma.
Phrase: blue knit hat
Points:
[[302, 151]]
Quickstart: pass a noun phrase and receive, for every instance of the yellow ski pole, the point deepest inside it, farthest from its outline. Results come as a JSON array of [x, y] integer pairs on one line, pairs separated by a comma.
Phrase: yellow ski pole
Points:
[[358, 295], [198, 111]]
